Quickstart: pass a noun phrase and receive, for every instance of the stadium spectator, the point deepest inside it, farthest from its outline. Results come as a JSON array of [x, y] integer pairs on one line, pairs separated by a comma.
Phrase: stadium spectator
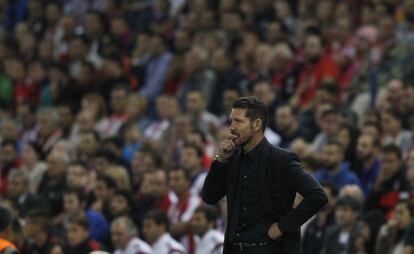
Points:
[[155, 229], [124, 238]]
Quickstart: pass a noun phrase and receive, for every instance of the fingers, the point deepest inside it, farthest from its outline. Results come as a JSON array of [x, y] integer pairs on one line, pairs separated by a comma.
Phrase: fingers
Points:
[[227, 145]]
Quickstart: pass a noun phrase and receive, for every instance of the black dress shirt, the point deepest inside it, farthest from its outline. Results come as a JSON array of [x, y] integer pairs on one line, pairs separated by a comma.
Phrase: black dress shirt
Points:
[[250, 223]]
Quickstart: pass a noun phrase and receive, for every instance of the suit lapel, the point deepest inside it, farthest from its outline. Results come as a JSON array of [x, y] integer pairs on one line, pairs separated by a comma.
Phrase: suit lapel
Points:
[[262, 165]]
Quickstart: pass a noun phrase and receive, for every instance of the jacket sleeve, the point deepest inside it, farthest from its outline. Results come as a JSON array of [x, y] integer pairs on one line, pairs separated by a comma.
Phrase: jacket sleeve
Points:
[[314, 197], [214, 187]]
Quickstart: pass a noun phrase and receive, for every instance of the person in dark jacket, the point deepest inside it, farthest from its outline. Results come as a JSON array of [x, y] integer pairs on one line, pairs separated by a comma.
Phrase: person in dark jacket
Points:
[[260, 182]]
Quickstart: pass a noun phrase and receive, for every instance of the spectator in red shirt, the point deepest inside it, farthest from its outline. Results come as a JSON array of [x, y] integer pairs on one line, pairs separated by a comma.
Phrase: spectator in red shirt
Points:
[[319, 68]]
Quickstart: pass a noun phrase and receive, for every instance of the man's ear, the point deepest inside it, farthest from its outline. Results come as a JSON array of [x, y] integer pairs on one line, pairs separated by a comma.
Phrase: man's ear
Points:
[[258, 124]]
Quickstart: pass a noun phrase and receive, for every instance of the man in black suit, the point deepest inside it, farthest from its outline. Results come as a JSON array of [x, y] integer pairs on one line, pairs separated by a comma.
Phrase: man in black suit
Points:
[[260, 183]]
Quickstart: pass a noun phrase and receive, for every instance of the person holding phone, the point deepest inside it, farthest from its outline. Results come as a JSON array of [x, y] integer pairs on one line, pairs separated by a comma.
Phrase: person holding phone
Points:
[[260, 182]]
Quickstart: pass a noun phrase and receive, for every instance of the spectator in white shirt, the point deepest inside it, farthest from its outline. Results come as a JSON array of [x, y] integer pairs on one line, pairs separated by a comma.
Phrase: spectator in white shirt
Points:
[[124, 238], [203, 224], [155, 229]]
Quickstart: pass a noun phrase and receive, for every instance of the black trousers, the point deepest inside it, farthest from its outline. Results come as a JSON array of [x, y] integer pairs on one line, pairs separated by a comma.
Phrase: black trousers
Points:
[[273, 247]]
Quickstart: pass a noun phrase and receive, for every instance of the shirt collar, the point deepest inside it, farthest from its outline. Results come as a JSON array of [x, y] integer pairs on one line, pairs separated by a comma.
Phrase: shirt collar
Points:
[[257, 150]]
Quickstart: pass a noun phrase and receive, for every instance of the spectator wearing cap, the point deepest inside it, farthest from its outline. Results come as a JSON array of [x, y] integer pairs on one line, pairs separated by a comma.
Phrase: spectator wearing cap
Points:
[[341, 238], [125, 239], [6, 246], [8, 161], [156, 228]]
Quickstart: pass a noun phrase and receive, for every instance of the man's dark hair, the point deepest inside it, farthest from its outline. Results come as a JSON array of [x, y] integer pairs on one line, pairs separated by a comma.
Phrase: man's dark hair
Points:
[[155, 155], [348, 202], [159, 218], [81, 220], [127, 195], [199, 151], [186, 173], [79, 193], [109, 181], [210, 212], [255, 109], [392, 149], [40, 217]]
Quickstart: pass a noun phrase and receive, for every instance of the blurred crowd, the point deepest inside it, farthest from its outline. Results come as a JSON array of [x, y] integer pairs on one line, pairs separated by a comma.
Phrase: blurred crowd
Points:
[[111, 110]]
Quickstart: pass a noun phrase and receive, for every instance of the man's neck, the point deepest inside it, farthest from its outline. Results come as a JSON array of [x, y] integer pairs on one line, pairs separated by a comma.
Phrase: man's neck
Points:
[[253, 143]]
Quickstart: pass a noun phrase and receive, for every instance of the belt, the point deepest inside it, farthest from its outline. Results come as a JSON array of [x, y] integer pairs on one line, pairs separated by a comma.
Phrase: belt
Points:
[[242, 246]]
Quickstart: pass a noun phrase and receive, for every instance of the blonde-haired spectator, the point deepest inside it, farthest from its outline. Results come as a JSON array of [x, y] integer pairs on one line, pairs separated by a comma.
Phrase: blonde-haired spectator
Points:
[[121, 177]]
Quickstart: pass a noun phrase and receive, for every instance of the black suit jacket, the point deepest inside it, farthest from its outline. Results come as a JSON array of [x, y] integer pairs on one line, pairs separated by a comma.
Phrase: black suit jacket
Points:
[[281, 176]]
